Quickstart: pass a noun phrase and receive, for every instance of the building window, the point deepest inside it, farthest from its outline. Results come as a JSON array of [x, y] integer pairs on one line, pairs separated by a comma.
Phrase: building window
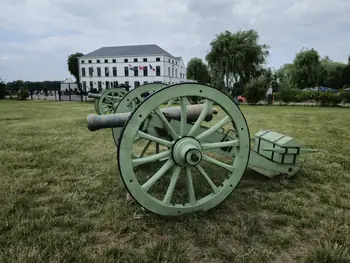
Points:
[[125, 60], [136, 72], [172, 72], [90, 61], [114, 61], [169, 60], [106, 60], [135, 59], [169, 71], [99, 72], [176, 73], [91, 85], [137, 84], [91, 71], [107, 84], [115, 84], [144, 59], [126, 71], [84, 85], [145, 71], [157, 59], [106, 71], [127, 83], [145, 82], [98, 61], [114, 71], [99, 85], [180, 75], [157, 70], [82, 61], [176, 62], [83, 72]]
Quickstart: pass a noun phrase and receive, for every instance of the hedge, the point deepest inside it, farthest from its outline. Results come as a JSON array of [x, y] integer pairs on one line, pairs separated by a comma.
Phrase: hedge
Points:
[[324, 98]]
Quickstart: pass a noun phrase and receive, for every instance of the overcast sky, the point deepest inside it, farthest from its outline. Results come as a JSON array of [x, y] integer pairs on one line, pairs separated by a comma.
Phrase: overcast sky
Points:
[[36, 36]]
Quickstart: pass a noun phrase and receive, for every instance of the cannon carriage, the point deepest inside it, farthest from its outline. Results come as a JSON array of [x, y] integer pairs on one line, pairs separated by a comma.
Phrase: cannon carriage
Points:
[[193, 156]]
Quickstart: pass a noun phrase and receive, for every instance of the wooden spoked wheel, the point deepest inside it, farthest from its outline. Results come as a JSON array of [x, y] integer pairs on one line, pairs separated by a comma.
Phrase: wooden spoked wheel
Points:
[[96, 105], [109, 100], [197, 165], [132, 100]]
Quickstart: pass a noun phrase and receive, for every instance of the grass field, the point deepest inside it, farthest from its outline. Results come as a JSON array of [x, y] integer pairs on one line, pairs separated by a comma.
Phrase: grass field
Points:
[[62, 200]]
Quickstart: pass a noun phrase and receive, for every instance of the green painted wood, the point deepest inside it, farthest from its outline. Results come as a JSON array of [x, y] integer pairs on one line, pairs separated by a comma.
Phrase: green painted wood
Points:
[[96, 103], [131, 101], [109, 100], [231, 116]]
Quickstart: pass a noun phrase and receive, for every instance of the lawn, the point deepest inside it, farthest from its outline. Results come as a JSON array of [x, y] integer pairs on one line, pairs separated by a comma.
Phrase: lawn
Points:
[[62, 200]]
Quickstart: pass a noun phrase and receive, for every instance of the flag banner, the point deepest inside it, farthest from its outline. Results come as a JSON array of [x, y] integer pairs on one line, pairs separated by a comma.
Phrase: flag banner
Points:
[[141, 67], [151, 67], [131, 67]]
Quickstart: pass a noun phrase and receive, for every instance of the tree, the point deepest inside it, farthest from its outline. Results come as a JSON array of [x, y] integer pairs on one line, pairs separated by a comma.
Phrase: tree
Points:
[[285, 73], [306, 69], [197, 70], [331, 73], [255, 89], [237, 57], [73, 65], [2, 89]]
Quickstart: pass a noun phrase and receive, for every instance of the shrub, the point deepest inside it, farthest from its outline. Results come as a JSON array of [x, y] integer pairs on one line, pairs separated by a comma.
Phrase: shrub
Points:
[[276, 96], [2, 91], [327, 99], [255, 90], [287, 93], [335, 99], [345, 96], [304, 96], [23, 94]]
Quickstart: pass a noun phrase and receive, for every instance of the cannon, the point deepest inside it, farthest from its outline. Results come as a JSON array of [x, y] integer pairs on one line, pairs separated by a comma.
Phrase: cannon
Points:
[[106, 101], [199, 152]]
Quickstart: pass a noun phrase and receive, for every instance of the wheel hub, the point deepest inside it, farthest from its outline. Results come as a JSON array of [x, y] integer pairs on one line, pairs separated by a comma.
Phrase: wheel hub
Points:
[[187, 152]]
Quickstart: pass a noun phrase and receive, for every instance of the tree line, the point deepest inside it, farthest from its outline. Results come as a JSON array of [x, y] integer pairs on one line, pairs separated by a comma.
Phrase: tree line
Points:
[[236, 64]]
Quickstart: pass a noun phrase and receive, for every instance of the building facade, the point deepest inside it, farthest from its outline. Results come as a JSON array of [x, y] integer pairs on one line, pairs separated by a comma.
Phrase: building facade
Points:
[[132, 66]]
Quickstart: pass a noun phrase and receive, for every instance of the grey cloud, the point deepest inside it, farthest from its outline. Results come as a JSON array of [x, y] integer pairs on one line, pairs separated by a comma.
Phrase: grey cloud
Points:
[[56, 28]]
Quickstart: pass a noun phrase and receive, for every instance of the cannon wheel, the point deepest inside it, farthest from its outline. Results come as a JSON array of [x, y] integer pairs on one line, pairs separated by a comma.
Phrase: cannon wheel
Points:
[[175, 145], [96, 103], [109, 100], [132, 100]]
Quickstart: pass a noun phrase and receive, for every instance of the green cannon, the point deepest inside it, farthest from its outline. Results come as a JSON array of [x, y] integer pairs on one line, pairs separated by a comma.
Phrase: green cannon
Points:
[[106, 101], [193, 156]]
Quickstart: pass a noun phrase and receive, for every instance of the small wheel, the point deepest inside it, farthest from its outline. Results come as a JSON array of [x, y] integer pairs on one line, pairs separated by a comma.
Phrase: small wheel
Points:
[[109, 100], [132, 100], [197, 166]]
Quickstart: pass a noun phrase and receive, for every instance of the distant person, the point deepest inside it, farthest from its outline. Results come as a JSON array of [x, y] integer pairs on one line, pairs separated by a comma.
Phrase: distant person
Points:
[[269, 95]]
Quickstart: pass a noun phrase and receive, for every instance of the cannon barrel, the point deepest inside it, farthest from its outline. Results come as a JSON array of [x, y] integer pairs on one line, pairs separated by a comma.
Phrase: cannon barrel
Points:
[[94, 95], [97, 122]]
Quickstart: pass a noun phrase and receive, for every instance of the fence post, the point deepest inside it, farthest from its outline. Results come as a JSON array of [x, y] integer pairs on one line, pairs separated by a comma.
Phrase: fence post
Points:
[[69, 92], [81, 92]]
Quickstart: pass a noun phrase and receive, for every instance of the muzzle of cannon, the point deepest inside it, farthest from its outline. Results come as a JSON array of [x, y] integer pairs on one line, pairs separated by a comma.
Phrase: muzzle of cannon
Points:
[[94, 95], [193, 156]]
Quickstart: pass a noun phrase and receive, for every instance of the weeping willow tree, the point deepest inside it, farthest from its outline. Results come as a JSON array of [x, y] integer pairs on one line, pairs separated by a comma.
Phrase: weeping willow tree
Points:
[[236, 58]]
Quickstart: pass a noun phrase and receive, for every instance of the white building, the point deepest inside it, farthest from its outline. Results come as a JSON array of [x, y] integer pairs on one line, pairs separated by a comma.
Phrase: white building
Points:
[[68, 84], [130, 65]]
